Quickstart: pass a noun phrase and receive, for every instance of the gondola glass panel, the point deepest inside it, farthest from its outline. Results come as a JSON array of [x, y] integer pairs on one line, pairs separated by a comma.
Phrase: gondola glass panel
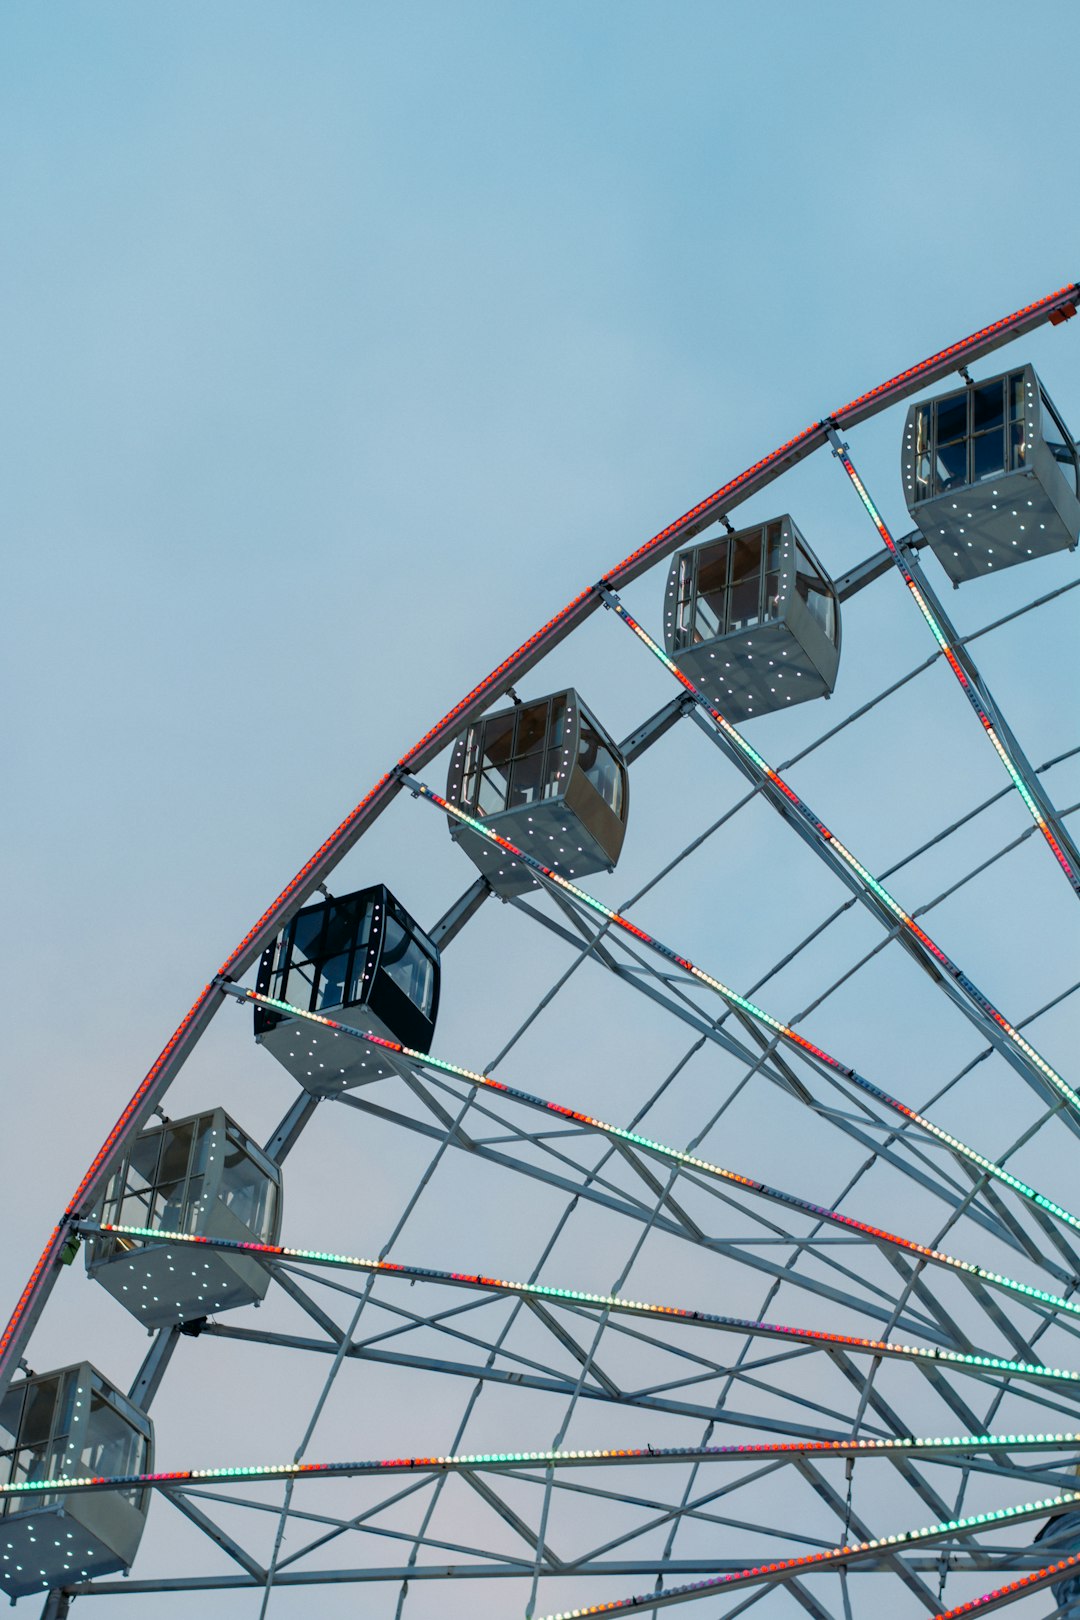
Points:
[[546, 776], [991, 475], [363, 961], [200, 1175], [753, 620], [69, 1423]]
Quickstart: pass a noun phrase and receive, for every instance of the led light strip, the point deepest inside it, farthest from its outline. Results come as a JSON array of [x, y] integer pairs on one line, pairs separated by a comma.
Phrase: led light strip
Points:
[[936, 1446], [1015, 1589], [671, 1155], [825, 836], [1055, 307], [832, 1555], [785, 1031], [940, 635], [976, 1362]]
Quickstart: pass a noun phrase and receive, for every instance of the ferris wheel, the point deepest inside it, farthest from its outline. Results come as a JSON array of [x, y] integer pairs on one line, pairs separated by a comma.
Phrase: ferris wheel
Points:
[[710, 1235]]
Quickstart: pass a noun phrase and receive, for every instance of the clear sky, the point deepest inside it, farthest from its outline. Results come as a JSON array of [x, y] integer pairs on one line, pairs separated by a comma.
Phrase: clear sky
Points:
[[343, 343]]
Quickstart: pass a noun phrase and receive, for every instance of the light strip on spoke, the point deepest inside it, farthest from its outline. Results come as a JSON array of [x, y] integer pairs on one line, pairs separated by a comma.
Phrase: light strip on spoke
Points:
[[672, 1155], [906, 1540], [964, 1361], [785, 1031], [825, 836], [948, 649], [961, 1445], [1015, 1589]]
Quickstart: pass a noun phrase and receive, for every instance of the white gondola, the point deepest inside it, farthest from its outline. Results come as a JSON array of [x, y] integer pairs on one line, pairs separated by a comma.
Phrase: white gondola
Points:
[[546, 776], [753, 620], [201, 1175], [72, 1422], [991, 475]]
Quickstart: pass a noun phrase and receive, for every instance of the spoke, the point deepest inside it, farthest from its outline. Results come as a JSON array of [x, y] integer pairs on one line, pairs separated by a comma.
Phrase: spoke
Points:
[[1019, 1052], [978, 1362], [834, 1556], [795, 1404], [1048, 1575], [1036, 1297], [968, 1156], [974, 688]]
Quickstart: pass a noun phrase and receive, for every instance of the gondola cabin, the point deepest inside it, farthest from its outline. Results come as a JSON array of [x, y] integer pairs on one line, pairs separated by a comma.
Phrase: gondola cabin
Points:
[[991, 475], [753, 620], [74, 1423], [360, 960], [203, 1176], [546, 776]]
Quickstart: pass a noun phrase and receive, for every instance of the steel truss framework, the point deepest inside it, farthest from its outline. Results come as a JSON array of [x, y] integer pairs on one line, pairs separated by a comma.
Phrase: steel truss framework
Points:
[[901, 1400]]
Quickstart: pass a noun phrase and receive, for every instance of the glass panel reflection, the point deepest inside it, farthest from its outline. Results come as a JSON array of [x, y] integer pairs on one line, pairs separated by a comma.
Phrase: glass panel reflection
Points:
[[812, 586], [532, 728], [408, 965], [526, 780], [600, 766], [987, 406], [952, 417], [1017, 446], [951, 465], [987, 455], [245, 1189]]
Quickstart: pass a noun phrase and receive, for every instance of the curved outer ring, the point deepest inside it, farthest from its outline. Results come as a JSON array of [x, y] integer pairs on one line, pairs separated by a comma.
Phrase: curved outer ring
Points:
[[1055, 306]]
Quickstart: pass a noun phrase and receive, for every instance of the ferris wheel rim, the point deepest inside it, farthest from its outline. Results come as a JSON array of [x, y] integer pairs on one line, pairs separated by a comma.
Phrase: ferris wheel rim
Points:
[[1053, 307], [386, 787]]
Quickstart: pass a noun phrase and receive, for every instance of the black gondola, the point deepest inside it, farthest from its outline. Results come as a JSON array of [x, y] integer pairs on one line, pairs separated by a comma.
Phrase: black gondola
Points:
[[361, 960]]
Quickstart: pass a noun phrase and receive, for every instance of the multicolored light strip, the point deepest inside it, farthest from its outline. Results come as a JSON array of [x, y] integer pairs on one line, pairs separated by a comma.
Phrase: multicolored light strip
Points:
[[975, 1362], [785, 1031], [905, 1540], [825, 836], [1054, 307], [1015, 1589], [950, 650], [672, 1155], [933, 1446]]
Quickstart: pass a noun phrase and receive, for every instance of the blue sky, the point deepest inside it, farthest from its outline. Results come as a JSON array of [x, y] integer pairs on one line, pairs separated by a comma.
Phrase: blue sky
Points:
[[345, 342]]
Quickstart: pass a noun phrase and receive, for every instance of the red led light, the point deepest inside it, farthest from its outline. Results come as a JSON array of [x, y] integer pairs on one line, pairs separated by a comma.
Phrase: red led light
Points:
[[1026, 1583]]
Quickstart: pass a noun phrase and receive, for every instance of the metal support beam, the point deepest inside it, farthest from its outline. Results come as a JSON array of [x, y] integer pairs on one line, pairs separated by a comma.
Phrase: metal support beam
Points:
[[970, 1001], [646, 981], [871, 568], [217, 1535], [1024, 777], [288, 1132], [462, 911], [149, 1376], [651, 730]]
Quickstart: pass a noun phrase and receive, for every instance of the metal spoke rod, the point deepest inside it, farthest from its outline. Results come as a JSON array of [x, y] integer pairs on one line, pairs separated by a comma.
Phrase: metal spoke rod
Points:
[[1018, 1043], [950, 1449], [784, 1568], [978, 1362], [1036, 1297], [962, 990], [972, 684]]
